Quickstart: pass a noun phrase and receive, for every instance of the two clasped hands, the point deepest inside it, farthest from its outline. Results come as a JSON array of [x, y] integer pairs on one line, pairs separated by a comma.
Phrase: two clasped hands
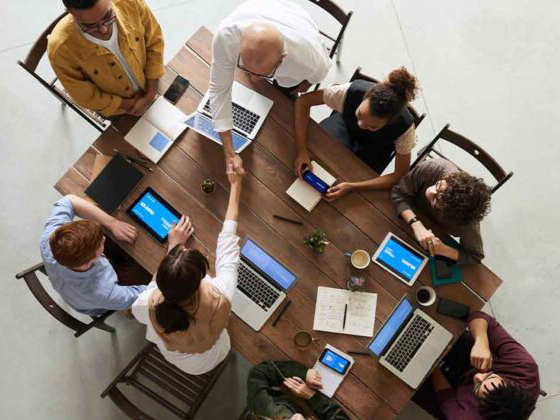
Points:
[[304, 389]]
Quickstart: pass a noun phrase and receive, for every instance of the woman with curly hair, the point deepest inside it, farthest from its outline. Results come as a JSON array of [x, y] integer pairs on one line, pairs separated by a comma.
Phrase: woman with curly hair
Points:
[[454, 199], [370, 119]]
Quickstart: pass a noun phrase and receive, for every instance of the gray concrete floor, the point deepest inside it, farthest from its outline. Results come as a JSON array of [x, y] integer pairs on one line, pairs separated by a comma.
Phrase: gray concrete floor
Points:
[[488, 68]]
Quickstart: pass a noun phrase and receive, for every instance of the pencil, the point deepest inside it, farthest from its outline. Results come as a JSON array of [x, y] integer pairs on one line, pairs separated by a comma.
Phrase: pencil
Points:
[[296, 222], [358, 352], [345, 310], [288, 301]]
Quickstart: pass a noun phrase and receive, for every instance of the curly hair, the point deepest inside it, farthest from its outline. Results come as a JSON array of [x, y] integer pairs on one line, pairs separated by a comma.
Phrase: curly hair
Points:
[[466, 199], [507, 401], [388, 98]]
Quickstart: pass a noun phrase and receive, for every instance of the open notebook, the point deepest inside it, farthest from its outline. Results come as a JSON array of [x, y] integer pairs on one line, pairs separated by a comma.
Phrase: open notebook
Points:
[[154, 133], [305, 194]]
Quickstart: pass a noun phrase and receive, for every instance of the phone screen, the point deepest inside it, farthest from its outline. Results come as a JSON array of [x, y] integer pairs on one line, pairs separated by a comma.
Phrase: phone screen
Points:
[[334, 361], [177, 88], [315, 181]]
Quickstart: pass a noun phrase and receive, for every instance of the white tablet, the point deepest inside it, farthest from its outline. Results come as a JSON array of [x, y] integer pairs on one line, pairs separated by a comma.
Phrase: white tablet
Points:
[[400, 259]]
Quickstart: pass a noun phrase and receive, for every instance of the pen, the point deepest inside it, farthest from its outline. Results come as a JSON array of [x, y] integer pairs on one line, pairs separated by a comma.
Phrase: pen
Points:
[[345, 310], [296, 222], [358, 352], [288, 301], [140, 162], [276, 367]]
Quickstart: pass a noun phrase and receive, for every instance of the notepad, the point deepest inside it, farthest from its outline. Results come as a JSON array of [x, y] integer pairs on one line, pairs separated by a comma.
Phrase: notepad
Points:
[[159, 127], [328, 367], [305, 194], [360, 312]]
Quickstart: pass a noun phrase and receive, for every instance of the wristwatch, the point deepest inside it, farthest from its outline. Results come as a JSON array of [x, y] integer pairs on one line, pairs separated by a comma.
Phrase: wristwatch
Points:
[[413, 220]]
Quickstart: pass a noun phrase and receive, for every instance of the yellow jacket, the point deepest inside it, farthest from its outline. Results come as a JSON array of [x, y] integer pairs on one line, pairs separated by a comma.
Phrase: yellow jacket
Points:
[[91, 74]]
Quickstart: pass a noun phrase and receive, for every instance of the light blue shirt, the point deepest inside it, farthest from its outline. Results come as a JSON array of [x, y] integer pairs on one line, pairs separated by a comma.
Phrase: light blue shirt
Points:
[[90, 292]]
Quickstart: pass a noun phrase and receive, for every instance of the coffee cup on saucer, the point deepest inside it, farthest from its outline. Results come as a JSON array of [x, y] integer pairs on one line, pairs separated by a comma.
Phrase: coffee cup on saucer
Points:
[[360, 259], [425, 296], [302, 339]]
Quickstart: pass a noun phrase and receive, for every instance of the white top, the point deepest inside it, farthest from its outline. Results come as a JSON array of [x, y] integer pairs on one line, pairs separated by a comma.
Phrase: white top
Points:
[[307, 58], [334, 96], [227, 264], [112, 44]]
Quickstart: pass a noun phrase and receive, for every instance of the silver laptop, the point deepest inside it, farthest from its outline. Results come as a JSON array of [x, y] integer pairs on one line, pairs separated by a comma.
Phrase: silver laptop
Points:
[[262, 285], [409, 343]]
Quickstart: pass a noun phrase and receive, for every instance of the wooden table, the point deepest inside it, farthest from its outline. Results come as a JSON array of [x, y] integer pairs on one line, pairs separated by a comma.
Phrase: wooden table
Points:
[[359, 220]]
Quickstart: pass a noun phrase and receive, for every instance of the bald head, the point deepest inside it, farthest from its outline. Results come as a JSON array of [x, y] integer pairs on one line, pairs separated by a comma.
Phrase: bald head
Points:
[[262, 47]]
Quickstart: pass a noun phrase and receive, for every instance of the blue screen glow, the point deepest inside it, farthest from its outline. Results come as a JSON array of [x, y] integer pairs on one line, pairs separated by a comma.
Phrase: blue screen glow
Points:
[[391, 327], [335, 361], [154, 214], [159, 141], [267, 264], [399, 259]]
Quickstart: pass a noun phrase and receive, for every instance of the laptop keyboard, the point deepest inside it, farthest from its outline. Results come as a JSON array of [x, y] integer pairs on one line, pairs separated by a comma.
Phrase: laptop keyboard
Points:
[[416, 333], [243, 119], [255, 288]]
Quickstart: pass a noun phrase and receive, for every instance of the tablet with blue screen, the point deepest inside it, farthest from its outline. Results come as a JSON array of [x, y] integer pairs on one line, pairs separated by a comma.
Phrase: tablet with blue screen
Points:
[[154, 214], [400, 259]]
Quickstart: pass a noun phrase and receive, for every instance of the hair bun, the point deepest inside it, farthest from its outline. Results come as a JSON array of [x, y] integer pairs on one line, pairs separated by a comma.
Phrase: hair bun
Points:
[[403, 83]]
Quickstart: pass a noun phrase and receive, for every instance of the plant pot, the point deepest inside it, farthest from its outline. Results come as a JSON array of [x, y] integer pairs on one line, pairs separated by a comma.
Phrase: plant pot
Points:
[[208, 186]]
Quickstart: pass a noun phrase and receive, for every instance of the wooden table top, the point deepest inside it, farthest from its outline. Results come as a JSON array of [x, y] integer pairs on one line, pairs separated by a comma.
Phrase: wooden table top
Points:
[[358, 220]]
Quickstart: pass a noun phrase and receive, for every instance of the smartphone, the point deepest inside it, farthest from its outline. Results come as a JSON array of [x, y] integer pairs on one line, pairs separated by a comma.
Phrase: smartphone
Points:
[[453, 309], [315, 181], [444, 267], [334, 361], [177, 88]]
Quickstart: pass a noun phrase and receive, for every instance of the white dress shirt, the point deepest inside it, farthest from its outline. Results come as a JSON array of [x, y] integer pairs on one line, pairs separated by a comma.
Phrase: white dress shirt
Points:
[[227, 264], [307, 58]]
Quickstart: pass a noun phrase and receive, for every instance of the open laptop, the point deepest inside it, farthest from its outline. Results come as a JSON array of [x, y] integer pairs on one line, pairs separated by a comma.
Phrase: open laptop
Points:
[[262, 285], [249, 110], [409, 343]]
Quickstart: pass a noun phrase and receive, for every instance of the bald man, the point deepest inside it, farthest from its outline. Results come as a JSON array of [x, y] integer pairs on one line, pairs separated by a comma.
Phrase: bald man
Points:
[[272, 39]]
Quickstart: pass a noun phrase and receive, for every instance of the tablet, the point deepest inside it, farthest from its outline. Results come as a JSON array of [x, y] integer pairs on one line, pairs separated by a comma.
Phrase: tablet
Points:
[[154, 214], [400, 259]]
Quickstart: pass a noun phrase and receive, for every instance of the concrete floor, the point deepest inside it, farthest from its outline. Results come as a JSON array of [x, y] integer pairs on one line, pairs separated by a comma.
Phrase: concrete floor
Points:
[[488, 68]]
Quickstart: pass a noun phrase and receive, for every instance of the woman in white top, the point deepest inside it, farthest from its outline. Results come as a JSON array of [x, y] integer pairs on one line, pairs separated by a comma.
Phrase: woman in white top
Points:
[[188, 311]]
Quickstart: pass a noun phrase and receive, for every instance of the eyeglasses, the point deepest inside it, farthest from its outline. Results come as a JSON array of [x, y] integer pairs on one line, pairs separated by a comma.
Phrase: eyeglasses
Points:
[[109, 18], [478, 385], [269, 75]]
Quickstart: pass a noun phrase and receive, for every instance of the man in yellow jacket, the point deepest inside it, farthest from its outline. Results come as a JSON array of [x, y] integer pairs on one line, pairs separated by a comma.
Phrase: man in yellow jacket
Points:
[[108, 55]]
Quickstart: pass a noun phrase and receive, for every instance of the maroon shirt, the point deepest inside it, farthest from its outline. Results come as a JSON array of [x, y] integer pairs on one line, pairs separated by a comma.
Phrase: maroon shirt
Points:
[[510, 361]]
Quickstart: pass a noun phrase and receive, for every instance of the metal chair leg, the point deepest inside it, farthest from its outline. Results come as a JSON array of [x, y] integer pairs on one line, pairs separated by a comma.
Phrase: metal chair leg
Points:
[[339, 50]]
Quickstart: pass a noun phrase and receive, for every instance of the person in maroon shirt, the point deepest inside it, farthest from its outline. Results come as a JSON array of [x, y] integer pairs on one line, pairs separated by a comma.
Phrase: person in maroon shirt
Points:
[[503, 383]]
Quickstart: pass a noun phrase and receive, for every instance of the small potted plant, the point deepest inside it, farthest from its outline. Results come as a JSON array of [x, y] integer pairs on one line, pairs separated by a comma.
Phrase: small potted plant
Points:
[[208, 186], [356, 284], [316, 241]]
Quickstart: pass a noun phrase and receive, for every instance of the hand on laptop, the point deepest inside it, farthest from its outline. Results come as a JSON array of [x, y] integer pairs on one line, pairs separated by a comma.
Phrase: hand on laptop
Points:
[[122, 231], [298, 388], [481, 356], [180, 233], [313, 379]]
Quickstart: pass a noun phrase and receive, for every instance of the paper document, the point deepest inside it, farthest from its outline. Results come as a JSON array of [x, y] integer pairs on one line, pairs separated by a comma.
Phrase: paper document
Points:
[[360, 311], [305, 194], [154, 133]]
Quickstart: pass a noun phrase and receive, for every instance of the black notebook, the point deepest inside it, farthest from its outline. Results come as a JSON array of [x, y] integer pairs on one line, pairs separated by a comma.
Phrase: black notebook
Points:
[[114, 183]]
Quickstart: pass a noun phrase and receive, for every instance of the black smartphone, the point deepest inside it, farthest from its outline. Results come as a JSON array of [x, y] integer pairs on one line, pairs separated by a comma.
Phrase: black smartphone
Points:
[[315, 181], [444, 267], [453, 309], [177, 88]]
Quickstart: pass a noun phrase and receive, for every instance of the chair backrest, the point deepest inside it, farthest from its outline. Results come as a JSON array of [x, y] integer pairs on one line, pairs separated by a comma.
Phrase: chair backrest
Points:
[[358, 75], [341, 17], [472, 149], [171, 385], [39, 48]]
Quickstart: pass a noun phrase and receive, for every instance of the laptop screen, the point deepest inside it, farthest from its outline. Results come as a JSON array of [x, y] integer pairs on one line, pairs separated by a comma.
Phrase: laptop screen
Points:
[[268, 265], [392, 327]]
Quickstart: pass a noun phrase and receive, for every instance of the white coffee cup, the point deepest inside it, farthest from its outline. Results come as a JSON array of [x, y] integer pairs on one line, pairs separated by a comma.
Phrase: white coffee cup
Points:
[[425, 296], [360, 259]]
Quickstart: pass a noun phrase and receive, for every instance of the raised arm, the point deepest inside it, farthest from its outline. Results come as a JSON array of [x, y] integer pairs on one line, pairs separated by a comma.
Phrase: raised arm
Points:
[[121, 231], [303, 106]]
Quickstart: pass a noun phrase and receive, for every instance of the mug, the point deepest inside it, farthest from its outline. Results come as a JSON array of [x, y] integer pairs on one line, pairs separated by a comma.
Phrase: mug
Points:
[[425, 296], [360, 259], [302, 339]]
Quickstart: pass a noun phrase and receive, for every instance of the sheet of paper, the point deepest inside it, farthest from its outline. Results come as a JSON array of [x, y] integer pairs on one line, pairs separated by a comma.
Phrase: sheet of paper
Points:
[[331, 379], [149, 141], [166, 117], [360, 313], [305, 194]]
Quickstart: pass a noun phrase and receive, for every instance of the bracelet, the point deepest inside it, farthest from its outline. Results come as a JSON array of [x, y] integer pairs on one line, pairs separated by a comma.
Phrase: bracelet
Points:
[[413, 220]]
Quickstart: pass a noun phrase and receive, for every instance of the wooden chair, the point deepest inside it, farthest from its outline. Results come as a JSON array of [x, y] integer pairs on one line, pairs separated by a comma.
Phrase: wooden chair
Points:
[[149, 366], [47, 302], [343, 18], [358, 75], [471, 148], [30, 64]]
